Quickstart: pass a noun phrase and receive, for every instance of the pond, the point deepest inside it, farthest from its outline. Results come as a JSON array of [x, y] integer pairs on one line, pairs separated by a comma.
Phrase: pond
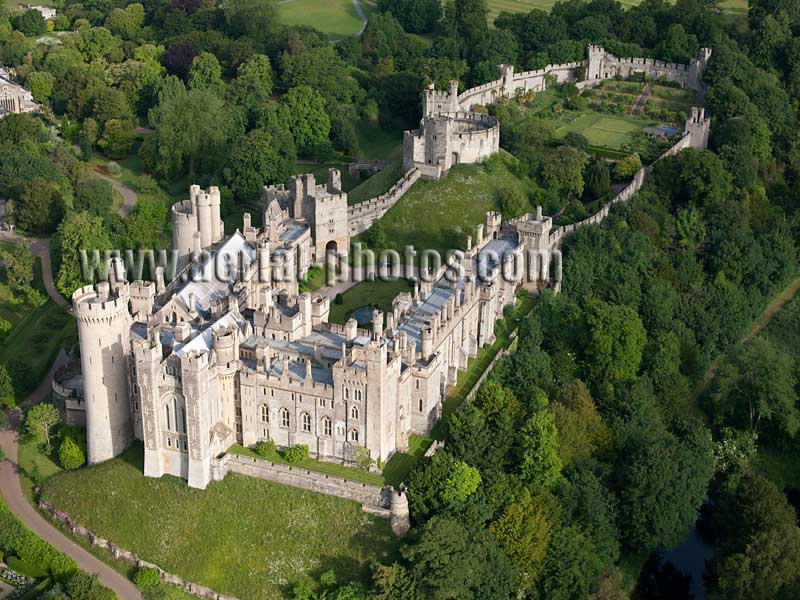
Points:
[[678, 574], [363, 315]]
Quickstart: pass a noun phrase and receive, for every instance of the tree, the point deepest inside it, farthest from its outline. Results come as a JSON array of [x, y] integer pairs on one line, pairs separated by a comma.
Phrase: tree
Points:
[[252, 87], [40, 206], [563, 170], [31, 23], [523, 532], [70, 454], [41, 84], [663, 482], [252, 18], [581, 430], [416, 16], [440, 483], [39, 423], [758, 385], [190, 124], [571, 567], [512, 203], [261, 157], [614, 341], [90, 131], [127, 22], [94, 195], [118, 138], [539, 463], [460, 484], [302, 109], [79, 231], [19, 264], [206, 74], [6, 387], [627, 167], [598, 179], [392, 582]]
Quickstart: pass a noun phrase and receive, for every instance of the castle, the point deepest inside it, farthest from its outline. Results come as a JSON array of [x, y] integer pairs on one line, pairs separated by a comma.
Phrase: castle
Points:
[[452, 132], [13, 97], [230, 352]]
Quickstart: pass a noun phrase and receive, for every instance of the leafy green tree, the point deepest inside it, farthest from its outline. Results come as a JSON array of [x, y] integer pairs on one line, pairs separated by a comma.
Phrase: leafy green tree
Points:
[[39, 424], [627, 167], [614, 342], [252, 18], [109, 104], [322, 70], [79, 231], [581, 430], [450, 561], [18, 264], [663, 482], [460, 484], [758, 385], [31, 22], [40, 206], [252, 87], [126, 22], [598, 179], [88, 136], [94, 195], [6, 387], [41, 84], [206, 74], [70, 455], [302, 109], [392, 582], [118, 138], [571, 567], [416, 16], [261, 157], [563, 170], [539, 463], [440, 483], [523, 532]]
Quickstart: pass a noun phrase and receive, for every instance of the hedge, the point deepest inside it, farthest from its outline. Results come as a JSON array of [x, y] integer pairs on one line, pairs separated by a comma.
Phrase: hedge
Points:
[[17, 539]]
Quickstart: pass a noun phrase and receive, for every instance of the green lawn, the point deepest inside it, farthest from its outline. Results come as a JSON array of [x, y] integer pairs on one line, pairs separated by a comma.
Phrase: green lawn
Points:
[[320, 466], [368, 293], [33, 465], [732, 7], [399, 466], [377, 143], [439, 215], [242, 536], [337, 18]]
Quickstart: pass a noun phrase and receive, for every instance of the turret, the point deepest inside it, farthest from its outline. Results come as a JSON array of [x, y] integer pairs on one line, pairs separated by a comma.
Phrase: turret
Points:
[[494, 221], [334, 181], [217, 226], [103, 329]]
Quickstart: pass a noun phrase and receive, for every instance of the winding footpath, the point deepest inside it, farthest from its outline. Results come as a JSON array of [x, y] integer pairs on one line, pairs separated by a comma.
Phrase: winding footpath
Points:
[[18, 504], [40, 247], [128, 195]]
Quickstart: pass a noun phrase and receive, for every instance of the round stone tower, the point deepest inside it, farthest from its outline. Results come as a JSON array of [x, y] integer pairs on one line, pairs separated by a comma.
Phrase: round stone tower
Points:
[[103, 329], [399, 516]]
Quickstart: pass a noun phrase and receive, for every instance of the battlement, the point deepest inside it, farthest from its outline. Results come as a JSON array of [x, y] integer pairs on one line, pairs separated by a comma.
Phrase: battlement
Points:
[[91, 303]]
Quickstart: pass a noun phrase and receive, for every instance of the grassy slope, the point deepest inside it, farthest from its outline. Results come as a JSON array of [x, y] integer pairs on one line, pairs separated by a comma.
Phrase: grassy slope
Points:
[[242, 536], [439, 215], [378, 184]]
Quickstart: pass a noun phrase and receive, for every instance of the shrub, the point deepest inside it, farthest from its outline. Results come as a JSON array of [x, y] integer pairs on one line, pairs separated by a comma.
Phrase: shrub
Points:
[[113, 168], [338, 299], [295, 454], [147, 577], [266, 449], [70, 454]]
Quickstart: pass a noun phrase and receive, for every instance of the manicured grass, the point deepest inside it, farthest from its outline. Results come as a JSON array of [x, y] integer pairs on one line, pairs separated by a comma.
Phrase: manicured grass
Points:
[[600, 129], [368, 293], [320, 466], [731, 7], [241, 536], [439, 215], [315, 279], [378, 184], [337, 18]]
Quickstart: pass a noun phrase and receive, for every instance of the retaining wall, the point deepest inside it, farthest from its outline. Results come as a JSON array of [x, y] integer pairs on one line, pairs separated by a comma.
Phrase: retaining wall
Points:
[[361, 216]]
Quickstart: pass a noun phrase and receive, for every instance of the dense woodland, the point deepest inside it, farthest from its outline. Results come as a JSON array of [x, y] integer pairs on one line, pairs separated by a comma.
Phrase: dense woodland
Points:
[[586, 450]]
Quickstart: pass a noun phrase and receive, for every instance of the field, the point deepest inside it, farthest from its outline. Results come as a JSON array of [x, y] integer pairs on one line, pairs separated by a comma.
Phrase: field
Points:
[[242, 536], [337, 18], [733, 7], [601, 130]]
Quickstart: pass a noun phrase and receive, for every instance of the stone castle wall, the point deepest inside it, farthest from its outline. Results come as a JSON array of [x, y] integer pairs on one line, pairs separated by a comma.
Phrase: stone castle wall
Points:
[[693, 137], [360, 217]]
